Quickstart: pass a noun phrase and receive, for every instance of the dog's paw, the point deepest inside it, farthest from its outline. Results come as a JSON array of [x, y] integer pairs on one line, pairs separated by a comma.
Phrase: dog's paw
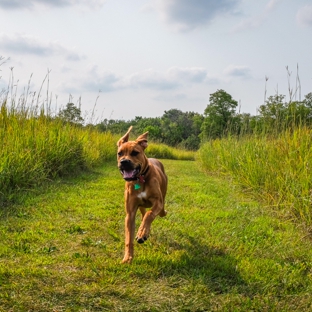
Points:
[[163, 213], [141, 240], [127, 260]]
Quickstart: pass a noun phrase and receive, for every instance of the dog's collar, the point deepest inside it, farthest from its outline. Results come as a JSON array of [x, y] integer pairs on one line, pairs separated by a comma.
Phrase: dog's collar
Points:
[[140, 179], [141, 176], [145, 172]]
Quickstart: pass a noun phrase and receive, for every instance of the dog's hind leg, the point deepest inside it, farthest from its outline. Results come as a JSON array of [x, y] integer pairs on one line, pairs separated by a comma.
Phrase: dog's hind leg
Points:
[[163, 213]]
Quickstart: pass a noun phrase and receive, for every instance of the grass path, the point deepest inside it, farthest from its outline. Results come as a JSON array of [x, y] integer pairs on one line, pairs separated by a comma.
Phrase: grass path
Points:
[[215, 251]]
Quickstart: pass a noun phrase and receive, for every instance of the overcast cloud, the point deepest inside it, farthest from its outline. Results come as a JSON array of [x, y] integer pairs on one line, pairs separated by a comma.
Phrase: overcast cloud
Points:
[[257, 20], [24, 44], [185, 15], [238, 71], [172, 79], [143, 62], [304, 15], [29, 4]]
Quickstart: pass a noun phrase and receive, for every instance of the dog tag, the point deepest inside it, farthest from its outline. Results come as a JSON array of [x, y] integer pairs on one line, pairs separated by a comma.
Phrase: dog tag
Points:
[[137, 186]]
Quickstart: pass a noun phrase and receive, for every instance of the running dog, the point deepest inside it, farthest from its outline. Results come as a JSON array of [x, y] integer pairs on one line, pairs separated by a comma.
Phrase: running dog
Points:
[[146, 187]]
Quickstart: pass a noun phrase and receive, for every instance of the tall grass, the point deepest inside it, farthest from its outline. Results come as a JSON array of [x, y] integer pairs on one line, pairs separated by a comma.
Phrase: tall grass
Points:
[[278, 170], [166, 152], [35, 148]]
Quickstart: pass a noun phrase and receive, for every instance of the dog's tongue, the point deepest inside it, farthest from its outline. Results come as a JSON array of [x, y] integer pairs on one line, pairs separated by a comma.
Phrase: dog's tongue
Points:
[[128, 174]]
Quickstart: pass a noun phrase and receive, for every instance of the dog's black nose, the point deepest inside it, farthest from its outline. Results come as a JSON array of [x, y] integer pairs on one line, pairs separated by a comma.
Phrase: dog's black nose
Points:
[[125, 161]]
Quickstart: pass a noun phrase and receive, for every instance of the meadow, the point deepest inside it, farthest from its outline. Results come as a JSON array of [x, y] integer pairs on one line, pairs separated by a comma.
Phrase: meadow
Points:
[[216, 250], [236, 237], [274, 169], [37, 148]]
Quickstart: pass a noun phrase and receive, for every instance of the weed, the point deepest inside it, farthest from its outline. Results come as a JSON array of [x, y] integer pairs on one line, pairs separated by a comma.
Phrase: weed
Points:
[[75, 229]]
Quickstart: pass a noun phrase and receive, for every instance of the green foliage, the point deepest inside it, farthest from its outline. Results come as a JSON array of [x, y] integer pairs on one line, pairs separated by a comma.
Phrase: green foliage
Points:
[[114, 126], [276, 116], [181, 129], [188, 130], [163, 151], [275, 169], [71, 114], [37, 148], [175, 128], [152, 125], [219, 115]]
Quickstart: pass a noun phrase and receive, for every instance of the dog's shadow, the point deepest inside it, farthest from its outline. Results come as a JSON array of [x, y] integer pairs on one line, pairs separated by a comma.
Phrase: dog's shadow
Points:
[[201, 263]]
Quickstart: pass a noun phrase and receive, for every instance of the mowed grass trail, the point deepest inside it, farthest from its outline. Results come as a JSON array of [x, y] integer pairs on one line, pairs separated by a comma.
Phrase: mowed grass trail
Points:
[[216, 250]]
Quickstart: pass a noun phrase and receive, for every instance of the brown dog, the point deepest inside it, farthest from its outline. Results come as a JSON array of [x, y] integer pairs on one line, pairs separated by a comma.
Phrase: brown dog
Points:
[[146, 186]]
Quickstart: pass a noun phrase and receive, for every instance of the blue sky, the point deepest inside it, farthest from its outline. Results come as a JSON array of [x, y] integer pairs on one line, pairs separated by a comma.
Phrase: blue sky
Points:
[[142, 57]]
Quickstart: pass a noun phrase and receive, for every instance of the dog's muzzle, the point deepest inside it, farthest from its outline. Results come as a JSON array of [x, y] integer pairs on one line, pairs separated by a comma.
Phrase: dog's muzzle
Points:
[[128, 171]]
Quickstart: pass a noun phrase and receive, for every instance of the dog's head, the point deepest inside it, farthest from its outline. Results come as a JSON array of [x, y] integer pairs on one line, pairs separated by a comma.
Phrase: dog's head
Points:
[[132, 161]]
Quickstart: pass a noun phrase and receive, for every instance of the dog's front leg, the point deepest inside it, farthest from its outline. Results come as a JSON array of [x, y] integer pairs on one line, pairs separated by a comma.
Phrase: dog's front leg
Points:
[[145, 227], [129, 236]]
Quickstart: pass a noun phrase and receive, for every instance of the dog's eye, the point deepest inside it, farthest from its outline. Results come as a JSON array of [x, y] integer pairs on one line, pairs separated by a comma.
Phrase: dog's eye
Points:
[[134, 153], [119, 154]]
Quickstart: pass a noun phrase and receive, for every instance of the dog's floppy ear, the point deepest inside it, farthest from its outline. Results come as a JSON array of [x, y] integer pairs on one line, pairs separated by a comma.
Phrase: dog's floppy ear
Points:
[[125, 138], [142, 140]]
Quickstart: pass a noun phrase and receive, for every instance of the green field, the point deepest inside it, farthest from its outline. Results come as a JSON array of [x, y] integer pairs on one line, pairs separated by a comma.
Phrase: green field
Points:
[[216, 250], [237, 236]]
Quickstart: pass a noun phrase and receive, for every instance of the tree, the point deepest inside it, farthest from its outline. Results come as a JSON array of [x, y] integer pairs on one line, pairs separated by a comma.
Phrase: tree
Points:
[[308, 100], [219, 115], [150, 124], [71, 114], [181, 128], [114, 126]]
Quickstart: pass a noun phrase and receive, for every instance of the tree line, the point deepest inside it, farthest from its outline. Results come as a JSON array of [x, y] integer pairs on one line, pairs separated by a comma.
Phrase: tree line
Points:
[[220, 118]]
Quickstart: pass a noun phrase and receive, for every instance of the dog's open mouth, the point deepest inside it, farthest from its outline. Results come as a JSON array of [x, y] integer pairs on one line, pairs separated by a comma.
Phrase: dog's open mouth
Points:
[[130, 174]]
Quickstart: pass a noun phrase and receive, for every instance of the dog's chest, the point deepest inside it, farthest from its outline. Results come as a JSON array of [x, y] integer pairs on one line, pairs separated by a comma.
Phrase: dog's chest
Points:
[[143, 199], [142, 195]]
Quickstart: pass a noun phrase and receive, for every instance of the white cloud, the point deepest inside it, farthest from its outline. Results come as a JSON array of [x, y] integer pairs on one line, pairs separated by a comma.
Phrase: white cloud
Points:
[[187, 15], [25, 44], [237, 71], [29, 4], [191, 74], [258, 20], [92, 81], [150, 79], [304, 15], [272, 4], [104, 82], [173, 78]]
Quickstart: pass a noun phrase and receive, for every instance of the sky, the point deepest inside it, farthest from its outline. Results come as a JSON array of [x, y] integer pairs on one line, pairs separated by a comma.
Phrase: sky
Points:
[[121, 59]]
